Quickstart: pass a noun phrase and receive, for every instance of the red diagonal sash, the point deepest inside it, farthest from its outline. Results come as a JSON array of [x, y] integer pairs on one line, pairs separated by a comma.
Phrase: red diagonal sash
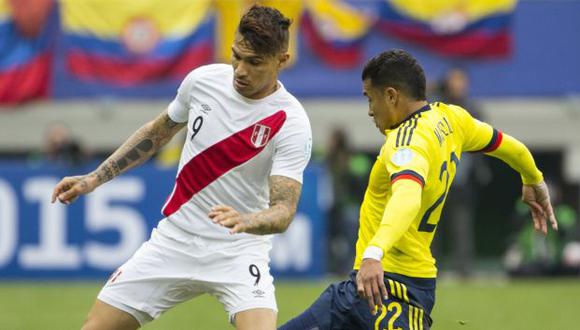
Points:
[[220, 158]]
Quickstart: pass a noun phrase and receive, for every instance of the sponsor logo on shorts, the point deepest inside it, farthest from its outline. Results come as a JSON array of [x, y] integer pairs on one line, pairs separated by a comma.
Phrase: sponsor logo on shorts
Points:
[[114, 276], [258, 293]]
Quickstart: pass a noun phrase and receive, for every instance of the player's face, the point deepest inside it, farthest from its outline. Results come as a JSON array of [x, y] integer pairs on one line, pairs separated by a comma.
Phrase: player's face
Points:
[[255, 75], [381, 109]]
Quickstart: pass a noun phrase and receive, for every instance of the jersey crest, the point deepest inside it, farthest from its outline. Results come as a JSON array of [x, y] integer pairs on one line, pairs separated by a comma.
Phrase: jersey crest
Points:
[[260, 135]]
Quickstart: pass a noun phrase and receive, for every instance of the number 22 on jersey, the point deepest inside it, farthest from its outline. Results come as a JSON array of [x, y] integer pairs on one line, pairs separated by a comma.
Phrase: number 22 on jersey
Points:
[[425, 226]]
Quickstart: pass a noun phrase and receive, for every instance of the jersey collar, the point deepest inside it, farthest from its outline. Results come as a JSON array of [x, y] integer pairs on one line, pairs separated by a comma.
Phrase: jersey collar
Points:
[[423, 109], [281, 90]]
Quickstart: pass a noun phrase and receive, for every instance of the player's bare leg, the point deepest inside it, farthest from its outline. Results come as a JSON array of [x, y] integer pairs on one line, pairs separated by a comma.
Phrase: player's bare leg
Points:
[[103, 316], [256, 319]]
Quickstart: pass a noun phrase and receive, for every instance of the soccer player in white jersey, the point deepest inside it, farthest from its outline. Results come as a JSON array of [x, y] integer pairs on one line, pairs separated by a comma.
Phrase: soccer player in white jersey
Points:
[[238, 181]]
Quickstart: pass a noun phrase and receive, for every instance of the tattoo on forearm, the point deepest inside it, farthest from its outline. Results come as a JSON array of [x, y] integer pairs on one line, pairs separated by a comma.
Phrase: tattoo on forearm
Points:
[[284, 194], [108, 171], [140, 146], [115, 168], [111, 168], [284, 190], [136, 153]]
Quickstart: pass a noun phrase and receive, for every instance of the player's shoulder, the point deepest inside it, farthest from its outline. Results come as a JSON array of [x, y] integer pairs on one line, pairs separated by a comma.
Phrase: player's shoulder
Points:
[[288, 100], [451, 110], [293, 108], [216, 71]]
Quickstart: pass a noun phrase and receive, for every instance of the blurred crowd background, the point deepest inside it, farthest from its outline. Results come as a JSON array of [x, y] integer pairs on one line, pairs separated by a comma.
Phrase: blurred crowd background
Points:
[[77, 77]]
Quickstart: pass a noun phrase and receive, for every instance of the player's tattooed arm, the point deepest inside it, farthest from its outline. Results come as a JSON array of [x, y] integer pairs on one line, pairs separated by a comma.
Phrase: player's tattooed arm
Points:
[[136, 150], [284, 195]]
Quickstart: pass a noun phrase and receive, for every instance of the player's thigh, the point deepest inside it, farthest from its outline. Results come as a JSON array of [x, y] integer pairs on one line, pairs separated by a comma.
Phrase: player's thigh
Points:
[[103, 316], [390, 316], [255, 319], [152, 281], [243, 283], [400, 311], [331, 310], [398, 315]]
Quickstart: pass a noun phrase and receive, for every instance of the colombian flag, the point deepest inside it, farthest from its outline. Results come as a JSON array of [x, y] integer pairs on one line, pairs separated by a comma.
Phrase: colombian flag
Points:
[[26, 47], [335, 31], [131, 42], [475, 28]]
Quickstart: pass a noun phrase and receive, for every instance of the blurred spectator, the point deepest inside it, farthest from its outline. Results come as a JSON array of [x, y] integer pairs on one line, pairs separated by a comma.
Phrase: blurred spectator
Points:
[[454, 89], [458, 214], [61, 148], [349, 176], [533, 254]]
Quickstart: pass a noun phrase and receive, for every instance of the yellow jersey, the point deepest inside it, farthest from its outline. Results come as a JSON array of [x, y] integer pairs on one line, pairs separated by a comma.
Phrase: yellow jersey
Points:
[[425, 148]]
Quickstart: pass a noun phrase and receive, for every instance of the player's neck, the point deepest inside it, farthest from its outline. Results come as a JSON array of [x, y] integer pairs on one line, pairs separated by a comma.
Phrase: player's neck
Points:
[[407, 110], [268, 90], [412, 107]]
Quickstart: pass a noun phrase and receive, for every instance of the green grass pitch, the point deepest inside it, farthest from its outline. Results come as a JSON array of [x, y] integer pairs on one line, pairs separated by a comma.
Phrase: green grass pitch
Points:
[[473, 305]]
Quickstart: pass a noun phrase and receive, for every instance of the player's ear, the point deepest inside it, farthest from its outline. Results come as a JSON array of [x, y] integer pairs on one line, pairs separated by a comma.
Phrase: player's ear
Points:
[[283, 60], [391, 95]]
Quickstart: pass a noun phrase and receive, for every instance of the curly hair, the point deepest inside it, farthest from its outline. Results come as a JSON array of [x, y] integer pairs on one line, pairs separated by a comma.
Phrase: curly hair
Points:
[[265, 29]]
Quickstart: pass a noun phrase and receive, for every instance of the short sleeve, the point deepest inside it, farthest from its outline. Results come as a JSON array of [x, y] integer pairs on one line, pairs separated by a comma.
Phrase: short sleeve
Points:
[[178, 109], [477, 135], [407, 162], [293, 149]]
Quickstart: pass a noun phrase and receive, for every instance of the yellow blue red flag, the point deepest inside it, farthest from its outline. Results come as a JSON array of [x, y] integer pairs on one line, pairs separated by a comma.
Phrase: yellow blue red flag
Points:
[[27, 31], [130, 42], [335, 31], [474, 28]]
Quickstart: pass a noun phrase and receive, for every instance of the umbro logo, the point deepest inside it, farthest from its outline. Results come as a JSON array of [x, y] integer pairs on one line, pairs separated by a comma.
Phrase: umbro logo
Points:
[[205, 108], [258, 293]]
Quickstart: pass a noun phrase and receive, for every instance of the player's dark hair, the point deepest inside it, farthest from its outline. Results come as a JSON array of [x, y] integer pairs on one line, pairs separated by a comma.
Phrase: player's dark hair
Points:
[[398, 69], [265, 29]]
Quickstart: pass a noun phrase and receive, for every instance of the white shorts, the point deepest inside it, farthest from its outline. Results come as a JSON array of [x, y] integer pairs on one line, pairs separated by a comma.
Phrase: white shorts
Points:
[[169, 269]]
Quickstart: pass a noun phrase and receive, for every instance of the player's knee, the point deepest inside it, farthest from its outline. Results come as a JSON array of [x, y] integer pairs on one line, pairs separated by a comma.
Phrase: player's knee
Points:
[[94, 324], [102, 321], [256, 319], [95, 321], [91, 323]]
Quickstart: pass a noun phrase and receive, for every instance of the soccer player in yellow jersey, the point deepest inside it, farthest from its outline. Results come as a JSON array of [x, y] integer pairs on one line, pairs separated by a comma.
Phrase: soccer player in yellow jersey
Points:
[[393, 282]]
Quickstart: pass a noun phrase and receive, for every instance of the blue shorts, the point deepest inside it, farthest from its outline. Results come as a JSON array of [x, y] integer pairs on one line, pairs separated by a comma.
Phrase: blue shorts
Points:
[[408, 307]]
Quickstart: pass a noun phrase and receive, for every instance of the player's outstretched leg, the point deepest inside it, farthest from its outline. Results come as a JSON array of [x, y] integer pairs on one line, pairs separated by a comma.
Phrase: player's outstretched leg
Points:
[[304, 321], [256, 319], [103, 316], [327, 310]]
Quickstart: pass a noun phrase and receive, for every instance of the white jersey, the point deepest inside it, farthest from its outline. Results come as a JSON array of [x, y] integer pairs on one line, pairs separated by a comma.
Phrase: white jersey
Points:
[[233, 145]]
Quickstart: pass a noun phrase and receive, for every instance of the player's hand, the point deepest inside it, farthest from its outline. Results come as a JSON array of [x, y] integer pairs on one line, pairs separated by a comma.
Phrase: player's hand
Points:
[[538, 199], [370, 283], [226, 216], [71, 187]]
